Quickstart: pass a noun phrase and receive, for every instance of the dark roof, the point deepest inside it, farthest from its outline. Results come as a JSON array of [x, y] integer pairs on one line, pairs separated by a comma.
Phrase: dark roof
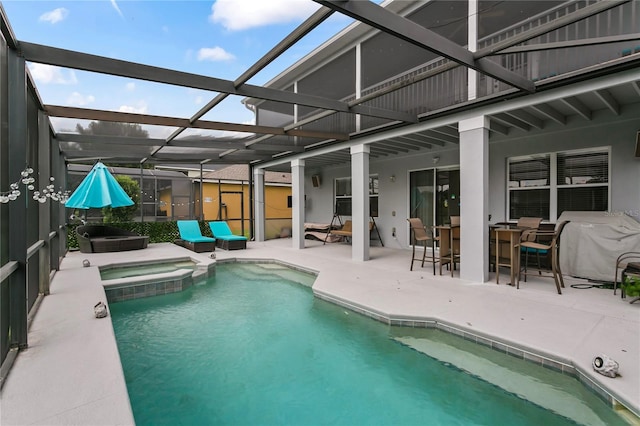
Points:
[[240, 172]]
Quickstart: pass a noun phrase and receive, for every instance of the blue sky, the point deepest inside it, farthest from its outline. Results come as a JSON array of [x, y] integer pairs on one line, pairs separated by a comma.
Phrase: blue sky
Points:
[[216, 38]]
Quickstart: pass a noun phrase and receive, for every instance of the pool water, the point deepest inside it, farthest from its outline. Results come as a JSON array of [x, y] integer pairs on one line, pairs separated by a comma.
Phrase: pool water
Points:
[[249, 347], [112, 273]]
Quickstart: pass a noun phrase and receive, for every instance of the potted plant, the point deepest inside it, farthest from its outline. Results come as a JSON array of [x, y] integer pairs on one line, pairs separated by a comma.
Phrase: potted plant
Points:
[[631, 285]]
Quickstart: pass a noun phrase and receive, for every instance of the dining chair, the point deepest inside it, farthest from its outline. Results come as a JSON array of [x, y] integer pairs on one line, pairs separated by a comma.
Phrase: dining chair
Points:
[[531, 239], [421, 235], [450, 249], [455, 236], [531, 223]]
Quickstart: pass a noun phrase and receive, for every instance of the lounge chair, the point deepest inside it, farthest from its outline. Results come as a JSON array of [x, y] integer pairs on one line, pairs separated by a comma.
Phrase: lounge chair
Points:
[[347, 231], [225, 238], [192, 238]]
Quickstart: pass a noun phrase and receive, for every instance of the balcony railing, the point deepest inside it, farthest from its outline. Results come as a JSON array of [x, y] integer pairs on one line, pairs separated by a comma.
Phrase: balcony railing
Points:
[[440, 83]]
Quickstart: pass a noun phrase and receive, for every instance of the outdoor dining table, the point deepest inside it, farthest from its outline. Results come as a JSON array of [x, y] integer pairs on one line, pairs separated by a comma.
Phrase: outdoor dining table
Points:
[[511, 234], [449, 244]]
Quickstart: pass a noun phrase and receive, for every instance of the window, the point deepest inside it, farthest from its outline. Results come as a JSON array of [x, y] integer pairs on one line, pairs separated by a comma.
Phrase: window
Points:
[[583, 181], [529, 186], [546, 185], [343, 196]]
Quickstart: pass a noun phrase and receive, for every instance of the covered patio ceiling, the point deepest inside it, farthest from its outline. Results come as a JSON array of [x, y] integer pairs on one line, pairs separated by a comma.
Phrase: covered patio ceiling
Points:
[[405, 132]]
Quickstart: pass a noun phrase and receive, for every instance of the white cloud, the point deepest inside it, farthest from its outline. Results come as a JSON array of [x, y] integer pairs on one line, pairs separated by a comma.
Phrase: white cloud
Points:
[[47, 74], [115, 6], [131, 86], [198, 100], [55, 16], [214, 54], [237, 15], [79, 99], [141, 108]]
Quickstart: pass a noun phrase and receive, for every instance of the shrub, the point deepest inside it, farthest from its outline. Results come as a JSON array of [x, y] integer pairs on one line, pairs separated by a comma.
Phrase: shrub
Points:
[[158, 232], [123, 214]]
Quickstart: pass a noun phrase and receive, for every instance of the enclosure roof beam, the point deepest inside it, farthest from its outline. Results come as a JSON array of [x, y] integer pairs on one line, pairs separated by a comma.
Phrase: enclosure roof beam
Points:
[[127, 117], [100, 64], [305, 28], [411, 32]]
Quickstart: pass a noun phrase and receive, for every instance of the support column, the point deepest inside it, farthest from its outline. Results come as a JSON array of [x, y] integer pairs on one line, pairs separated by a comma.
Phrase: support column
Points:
[[258, 188], [44, 224], [297, 205], [360, 202], [474, 193], [58, 218], [17, 135]]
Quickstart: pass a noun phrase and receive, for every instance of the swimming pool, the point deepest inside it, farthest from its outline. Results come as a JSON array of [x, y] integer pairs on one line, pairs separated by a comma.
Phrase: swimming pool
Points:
[[251, 347]]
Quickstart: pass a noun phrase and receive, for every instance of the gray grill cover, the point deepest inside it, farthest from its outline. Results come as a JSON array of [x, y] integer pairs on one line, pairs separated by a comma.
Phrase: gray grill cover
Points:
[[591, 243]]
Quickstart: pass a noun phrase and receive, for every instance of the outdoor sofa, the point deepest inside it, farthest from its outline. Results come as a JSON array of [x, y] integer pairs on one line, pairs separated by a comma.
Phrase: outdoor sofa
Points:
[[105, 238]]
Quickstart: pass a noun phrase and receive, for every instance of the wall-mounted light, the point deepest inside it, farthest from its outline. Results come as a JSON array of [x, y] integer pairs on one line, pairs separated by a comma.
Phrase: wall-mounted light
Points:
[[392, 178], [436, 160]]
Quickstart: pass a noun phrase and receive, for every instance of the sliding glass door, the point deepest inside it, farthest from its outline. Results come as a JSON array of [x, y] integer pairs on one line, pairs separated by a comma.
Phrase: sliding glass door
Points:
[[434, 195], [447, 195], [421, 195]]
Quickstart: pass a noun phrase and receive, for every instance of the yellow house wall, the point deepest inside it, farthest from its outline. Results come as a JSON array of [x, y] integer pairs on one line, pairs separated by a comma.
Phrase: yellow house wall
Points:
[[276, 209], [165, 197]]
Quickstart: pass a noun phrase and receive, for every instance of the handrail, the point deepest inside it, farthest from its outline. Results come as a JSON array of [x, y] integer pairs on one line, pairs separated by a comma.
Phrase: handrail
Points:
[[8, 269], [52, 234], [34, 248]]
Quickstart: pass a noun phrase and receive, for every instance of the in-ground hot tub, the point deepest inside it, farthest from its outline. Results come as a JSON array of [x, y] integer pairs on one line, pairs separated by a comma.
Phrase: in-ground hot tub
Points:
[[125, 281]]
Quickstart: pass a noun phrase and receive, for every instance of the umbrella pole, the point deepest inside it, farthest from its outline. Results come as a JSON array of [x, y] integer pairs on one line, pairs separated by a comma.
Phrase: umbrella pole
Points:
[[141, 195]]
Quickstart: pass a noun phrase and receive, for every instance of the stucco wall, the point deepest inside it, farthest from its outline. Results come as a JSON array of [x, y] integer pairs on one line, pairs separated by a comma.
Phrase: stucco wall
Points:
[[618, 132], [277, 214]]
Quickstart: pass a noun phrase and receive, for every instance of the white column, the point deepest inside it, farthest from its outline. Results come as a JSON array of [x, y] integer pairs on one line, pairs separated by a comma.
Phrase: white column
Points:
[[472, 43], [258, 214], [297, 205], [474, 194], [360, 202]]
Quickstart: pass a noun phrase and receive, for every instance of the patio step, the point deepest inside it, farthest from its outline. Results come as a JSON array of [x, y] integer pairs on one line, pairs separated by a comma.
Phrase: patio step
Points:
[[543, 387], [258, 272]]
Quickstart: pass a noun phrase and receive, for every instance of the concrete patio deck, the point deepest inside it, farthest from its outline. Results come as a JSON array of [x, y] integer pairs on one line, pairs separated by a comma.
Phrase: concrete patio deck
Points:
[[71, 372]]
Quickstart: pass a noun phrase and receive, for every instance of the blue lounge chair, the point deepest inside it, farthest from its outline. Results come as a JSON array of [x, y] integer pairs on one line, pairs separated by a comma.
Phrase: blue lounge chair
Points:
[[192, 238], [225, 238]]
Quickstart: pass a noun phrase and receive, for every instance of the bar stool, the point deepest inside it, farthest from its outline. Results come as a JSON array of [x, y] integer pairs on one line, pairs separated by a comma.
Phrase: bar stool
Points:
[[422, 235]]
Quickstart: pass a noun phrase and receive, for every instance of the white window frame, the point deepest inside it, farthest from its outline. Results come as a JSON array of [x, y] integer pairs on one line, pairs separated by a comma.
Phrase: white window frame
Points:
[[374, 190], [553, 185]]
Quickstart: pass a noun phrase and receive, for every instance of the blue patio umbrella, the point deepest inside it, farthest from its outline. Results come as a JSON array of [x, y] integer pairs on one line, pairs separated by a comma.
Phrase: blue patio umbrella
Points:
[[98, 189]]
